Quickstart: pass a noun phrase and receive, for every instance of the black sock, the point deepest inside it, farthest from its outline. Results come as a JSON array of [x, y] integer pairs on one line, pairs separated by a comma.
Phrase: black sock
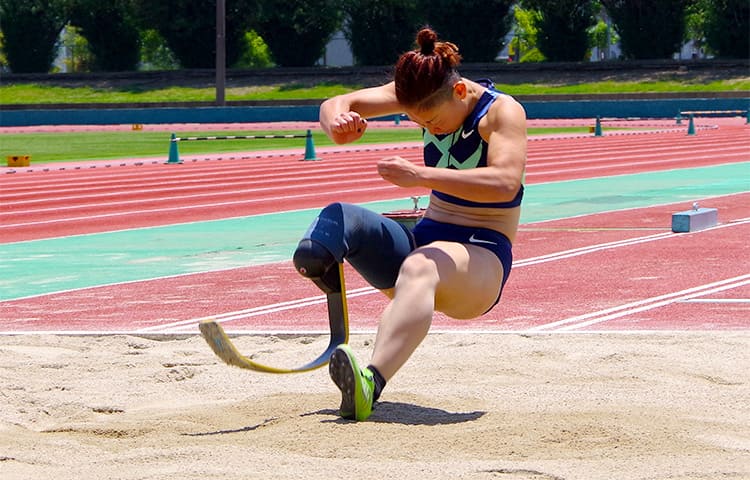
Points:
[[379, 382]]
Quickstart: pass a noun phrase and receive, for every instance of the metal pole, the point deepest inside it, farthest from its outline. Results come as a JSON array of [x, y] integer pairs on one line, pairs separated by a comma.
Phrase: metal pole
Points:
[[221, 55]]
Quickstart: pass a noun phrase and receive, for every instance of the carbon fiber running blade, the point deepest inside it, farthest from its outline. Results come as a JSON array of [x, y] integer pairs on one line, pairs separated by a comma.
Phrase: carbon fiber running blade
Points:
[[338, 322], [223, 347]]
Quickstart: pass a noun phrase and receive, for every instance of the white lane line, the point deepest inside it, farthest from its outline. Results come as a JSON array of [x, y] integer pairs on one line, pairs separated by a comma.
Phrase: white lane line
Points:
[[357, 331], [717, 300], [591, 249], [588, 319], [159, 185], [257, 311], [289, 305], [194, 207], [211, 194]]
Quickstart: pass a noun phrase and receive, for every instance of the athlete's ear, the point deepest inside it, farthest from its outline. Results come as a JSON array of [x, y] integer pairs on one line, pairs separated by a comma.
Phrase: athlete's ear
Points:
[[459, 90]]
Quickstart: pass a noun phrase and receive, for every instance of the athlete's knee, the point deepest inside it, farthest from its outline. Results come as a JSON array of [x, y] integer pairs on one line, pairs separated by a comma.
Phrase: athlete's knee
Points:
[[314, 261], [419, 267]]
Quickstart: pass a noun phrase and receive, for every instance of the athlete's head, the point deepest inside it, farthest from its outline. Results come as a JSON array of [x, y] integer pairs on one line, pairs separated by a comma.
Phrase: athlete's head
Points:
[[426, 78]]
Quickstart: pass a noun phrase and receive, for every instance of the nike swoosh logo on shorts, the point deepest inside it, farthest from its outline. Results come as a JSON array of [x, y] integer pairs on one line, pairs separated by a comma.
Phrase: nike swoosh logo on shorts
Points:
[[465, 135], [473, 239]]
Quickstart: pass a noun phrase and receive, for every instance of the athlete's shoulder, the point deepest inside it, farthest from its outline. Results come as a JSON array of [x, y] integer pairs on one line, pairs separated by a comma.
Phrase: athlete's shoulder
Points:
[[506, 109], [504, 116]]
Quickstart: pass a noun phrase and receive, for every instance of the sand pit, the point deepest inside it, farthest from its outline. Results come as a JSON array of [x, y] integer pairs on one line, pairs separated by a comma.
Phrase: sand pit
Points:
[[493, 406]]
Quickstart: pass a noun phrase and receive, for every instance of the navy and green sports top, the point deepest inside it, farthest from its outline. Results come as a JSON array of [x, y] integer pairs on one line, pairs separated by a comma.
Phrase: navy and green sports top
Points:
[[464, 149]]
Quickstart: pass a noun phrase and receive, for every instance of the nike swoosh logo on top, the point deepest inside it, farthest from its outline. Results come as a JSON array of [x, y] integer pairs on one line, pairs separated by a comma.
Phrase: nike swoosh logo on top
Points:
[[465, 135], [473, 239]]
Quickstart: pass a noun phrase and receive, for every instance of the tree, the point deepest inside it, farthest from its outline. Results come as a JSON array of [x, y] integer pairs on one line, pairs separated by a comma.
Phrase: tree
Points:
[[74, 49], [256, 54], [522, 47], [379, 31], [727, 26], [562, 27], [155, 53], [602, 37], [648, 29], [297, 31], [480, 37], [3, 60], [189, 28], [111, 31], [31, 29]]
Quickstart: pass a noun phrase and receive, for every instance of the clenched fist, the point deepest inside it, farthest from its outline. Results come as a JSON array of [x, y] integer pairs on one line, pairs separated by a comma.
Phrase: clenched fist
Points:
[[347, 127], [399, 171]]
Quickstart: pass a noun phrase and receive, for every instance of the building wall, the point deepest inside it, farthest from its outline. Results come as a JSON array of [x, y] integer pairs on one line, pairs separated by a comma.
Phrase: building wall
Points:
[[338, 53]]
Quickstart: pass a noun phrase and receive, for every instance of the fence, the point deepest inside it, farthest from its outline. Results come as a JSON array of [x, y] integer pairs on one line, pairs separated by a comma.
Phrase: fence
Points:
[[174, 154]]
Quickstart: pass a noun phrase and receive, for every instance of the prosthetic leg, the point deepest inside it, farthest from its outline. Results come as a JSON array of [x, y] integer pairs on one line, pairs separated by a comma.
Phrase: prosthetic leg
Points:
[[374, 245], [338, 321]]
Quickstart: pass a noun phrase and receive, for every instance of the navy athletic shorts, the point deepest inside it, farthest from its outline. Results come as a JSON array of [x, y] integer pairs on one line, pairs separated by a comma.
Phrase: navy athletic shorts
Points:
[[376, 246], [428, 230]]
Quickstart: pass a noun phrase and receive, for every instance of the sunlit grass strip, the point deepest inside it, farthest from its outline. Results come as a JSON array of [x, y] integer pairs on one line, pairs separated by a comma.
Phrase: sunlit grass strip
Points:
[[612, 87], [75, 146], [39, 94]]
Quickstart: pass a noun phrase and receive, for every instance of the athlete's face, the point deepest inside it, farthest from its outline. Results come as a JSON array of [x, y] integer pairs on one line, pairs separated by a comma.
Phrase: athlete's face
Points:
[[445, 117]]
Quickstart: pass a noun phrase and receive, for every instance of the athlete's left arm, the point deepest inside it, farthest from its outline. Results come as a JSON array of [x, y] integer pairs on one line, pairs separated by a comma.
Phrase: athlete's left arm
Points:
[[505, 133], [504, 130]]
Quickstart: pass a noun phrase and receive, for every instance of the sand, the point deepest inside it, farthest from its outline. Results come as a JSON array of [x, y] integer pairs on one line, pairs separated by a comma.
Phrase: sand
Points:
[[466, 406]]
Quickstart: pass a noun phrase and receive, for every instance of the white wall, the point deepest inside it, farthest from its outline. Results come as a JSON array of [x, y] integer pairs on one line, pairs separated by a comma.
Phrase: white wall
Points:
[[338, 53]]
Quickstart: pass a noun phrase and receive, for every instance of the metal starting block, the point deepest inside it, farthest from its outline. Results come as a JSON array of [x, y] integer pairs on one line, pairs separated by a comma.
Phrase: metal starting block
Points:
[[693, 220], [408, 218]]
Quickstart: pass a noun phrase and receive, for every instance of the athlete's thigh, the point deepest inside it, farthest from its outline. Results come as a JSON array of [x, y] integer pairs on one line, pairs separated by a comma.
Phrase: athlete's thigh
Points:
[[470, 278]]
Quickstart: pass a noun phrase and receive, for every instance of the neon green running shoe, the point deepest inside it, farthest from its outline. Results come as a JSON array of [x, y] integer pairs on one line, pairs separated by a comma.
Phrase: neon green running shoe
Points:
[[357, 386]]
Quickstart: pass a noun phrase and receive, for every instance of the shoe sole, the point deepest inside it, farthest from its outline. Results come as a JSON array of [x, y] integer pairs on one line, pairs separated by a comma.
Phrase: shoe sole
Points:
[[342, 374]]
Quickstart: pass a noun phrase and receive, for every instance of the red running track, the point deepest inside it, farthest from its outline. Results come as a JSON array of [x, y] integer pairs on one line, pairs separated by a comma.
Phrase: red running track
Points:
[[567, 272], [570, 275], [43, 204]]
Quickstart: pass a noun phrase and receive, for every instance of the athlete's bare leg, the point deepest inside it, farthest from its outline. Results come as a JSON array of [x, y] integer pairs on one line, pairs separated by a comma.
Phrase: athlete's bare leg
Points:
[[434, 278]]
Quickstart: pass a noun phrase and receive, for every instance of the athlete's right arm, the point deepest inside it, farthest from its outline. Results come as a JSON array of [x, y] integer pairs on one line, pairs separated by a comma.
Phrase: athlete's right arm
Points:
[[343, 118]]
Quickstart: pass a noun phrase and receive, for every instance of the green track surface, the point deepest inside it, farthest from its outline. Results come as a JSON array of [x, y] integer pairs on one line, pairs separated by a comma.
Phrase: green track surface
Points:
[[53, 265]]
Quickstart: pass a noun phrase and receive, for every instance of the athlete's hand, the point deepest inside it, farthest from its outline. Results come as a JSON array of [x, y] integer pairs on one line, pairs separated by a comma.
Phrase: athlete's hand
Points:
[[347, 127], [399, 171]]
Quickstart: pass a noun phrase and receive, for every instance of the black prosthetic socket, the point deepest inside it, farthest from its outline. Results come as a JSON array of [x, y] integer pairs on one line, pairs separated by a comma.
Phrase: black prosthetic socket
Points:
[[379, 382], [314, 261], [375, 246]]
